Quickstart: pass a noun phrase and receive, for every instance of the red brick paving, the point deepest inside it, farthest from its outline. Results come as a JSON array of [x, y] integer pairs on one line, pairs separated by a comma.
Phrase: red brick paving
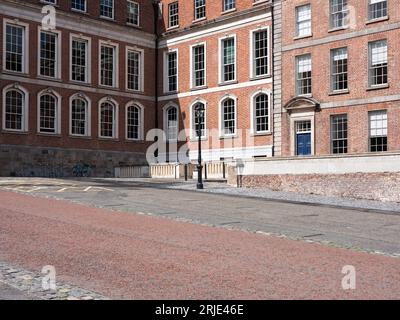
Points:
[[124, 255]]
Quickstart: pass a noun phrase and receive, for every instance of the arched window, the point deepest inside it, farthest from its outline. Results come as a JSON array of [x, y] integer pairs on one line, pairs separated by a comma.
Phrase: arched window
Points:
[[228, 117], [198, 123], [48, 113], [134, 122], [171, 121], [108, 125], [79, 117], [261, 113], [14, 112]]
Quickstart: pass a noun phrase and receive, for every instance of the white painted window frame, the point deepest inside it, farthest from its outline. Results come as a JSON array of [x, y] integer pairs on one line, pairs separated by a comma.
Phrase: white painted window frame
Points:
[[165, 70], [192, 71], [88, 127], [116, 117], [58, 111], [222, 134], [193, 133], [252, 53], [115, 45], [141, 123], [25, 64], [88, 57], [165, 120], [25, 114], [221, 58], [58, 73], [253, 124], [141, 68]]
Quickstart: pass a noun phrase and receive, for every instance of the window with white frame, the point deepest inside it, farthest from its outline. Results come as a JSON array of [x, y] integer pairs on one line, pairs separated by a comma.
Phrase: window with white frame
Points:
[[173, 14], [198, 120], [303, 20], [133, 70], [229, 5], [171, 122], [228, 59], [378, 131], [228, 117], [79, 60], [107, 8], [339, 12], [79, 5], [199, 9], [14, 110], [339, 132], [378, 63], [261, 113], [14, 48], [303, 75], [172, 71], [48, 113], [260, 53], [133, 122], [79, 117], [339, 76], [107, 65], [133, 13], [198, 66], [108, 119], [377, 9], [48, 54]]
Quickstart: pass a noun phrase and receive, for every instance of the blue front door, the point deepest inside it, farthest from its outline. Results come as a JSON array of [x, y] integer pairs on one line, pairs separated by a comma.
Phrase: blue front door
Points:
[[303, 144]]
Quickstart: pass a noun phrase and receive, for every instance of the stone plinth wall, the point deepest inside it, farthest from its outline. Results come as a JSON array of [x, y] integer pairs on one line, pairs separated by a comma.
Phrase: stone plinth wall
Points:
[[374, 186], [24, 161]]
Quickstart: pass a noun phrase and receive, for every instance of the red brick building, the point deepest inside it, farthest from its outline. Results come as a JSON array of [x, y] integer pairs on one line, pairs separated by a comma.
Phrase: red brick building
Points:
[[340, 77], [73, 85], [276, 79], [217, 54]]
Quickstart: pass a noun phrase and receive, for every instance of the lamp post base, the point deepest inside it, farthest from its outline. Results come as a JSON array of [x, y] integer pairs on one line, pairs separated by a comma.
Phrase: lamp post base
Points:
[[200, 186]]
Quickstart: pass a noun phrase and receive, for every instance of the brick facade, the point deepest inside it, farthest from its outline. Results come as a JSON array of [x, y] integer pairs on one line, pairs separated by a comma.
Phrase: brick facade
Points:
[[228, 38]]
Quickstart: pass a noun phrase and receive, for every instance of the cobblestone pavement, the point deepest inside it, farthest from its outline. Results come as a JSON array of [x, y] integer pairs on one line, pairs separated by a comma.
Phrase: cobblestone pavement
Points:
[[367, 230], [133, 256], [19, 284]]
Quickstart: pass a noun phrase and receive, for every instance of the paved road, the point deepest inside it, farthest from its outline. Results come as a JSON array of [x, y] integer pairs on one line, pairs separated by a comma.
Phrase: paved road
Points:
[[359, 229], [9, 293], [134, 256]]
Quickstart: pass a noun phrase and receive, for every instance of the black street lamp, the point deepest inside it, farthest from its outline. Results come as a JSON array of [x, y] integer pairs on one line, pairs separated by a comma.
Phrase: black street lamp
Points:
[[199, 109]]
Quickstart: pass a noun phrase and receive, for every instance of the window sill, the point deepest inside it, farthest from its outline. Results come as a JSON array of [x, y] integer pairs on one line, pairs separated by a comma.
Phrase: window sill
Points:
[[75, 136], [132, 25], [338, 92], [80, 11], [49, 78], [173, 28], [168, 93], [260, 2], [7, 131], [377, 20], [80, 83], [383, 86], [138, 141], [228, 11], [15, 73], [45, 134], [267, 76], [108, 87], [304, 96], [338, 29], [107, 18], [197, 139], [260, 134], [108, 139], [233, 136], [199, 20], [303, 37], [198, 88], [221, 84]]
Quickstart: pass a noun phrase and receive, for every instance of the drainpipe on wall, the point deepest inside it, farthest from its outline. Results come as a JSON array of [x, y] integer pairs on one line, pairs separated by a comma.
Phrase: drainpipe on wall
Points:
[[156, 17]]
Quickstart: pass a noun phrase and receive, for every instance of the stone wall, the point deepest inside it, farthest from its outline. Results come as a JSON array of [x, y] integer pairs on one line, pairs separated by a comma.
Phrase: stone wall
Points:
[[24, 161], [374, 186]]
